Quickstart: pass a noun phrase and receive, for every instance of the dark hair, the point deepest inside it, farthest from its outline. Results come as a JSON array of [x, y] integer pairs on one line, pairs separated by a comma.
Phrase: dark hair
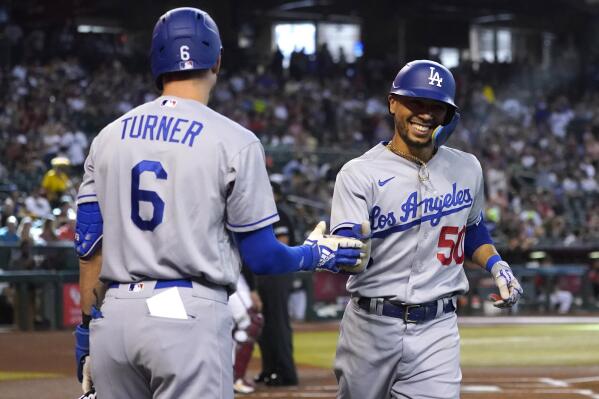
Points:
[[184, 75]]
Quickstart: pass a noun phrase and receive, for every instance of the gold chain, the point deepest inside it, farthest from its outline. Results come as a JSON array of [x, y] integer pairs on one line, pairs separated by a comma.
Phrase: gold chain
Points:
[[422, 171], [402, 154]]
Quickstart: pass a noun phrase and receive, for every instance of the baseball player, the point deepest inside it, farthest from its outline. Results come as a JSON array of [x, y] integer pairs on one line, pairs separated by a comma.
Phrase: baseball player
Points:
[[173, 194], [399, 335]]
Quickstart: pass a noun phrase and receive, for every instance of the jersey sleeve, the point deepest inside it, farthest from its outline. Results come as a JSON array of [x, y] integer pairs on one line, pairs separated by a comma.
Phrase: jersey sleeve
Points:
[[250, 202], [349, 206], [87, 189], [478, 204]]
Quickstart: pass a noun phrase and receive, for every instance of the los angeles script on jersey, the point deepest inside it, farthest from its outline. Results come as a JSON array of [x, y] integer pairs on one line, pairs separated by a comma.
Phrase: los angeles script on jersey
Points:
[[161, 128], [433, 208]]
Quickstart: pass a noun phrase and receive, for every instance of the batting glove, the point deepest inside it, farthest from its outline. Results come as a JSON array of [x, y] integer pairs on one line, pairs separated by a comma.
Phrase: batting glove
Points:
[[362, 233], [331, 252], [89, 395], [510, 290]]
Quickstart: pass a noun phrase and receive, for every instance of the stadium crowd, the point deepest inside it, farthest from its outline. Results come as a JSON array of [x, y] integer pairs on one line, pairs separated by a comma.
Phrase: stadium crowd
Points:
[[538, 143]]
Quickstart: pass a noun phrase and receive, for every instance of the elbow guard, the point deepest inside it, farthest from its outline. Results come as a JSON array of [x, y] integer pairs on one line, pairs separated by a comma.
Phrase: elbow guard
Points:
[[88, 233]]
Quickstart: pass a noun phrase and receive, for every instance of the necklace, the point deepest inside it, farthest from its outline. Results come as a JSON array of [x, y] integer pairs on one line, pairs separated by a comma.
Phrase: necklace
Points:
[[422, 171]]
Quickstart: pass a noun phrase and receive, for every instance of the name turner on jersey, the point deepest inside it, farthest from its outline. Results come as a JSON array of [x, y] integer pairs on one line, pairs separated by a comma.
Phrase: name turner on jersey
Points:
[[164, 128]]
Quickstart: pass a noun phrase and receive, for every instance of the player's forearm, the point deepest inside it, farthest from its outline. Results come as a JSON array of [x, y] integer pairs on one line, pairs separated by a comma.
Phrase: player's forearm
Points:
[[263, 254], [89, 274], [483, 253], [478, 245]]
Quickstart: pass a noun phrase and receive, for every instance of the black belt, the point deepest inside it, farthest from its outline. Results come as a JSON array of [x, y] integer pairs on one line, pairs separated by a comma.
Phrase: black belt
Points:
[[408, 313]]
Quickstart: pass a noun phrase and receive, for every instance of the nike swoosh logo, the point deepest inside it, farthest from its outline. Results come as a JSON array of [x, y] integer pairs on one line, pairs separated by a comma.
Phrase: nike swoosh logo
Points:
[[383, 182]]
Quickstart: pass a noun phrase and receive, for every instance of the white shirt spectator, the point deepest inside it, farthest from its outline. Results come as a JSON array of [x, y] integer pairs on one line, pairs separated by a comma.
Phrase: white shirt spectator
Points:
[[496, 181], [76, 144], [570, 185], [52, 142], [280, 112], [559, 122], [38, 206], [589, 185]]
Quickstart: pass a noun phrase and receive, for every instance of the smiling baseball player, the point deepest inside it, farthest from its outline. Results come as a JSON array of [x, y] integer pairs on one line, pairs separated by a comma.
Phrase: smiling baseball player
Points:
[[174, 193], [399, 335]]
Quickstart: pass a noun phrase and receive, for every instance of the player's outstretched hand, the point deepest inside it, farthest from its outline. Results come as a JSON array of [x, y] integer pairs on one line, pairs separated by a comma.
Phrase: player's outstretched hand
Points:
[[331, 252], [362, 233], [510, 290]]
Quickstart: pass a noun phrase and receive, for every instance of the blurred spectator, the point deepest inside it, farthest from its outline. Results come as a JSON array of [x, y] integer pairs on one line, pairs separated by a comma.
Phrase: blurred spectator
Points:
[[66, 232], [24, 230], [8, 209], [276, 63], [56, 181], [23, 258], [37, 205], [48, 235], [75, 142], [9, 233]]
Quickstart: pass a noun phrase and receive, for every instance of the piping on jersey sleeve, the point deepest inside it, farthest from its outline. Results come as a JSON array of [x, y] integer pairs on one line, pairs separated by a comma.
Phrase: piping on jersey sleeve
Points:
[[253, 223], [82, 199]]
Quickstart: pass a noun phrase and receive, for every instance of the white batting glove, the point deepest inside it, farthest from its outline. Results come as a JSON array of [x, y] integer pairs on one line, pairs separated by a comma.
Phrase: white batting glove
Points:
[[331, 252], [362, 233], [86, 384], [510, 290], [89, 395]]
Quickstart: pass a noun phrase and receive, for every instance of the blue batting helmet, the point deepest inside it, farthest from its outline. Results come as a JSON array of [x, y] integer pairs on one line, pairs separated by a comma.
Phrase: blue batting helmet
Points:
[[429, 80], [184, 39]]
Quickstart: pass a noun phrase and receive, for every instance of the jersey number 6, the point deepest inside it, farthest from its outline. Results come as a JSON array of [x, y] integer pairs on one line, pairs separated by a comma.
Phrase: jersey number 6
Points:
[[138, 195], [455, 245]]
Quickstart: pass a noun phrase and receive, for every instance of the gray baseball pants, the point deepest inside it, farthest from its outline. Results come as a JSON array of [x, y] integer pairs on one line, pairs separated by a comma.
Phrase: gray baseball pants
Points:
[[136, 355], [381, 357]]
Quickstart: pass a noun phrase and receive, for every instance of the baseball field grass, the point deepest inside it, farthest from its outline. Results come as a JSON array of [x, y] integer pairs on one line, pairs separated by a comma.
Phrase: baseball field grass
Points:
[[520, 345]]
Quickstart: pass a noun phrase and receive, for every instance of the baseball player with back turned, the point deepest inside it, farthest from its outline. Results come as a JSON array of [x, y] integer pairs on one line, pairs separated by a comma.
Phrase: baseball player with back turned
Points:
[[175, 193], [399, 336]]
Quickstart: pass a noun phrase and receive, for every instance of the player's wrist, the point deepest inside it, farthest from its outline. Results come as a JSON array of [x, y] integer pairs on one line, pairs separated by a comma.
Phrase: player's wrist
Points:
[[85, 320], [309, 254], [81, 348], [491, 262]]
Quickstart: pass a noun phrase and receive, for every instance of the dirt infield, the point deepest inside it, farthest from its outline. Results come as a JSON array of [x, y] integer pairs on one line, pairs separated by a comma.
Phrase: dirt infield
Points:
[[41, 365]]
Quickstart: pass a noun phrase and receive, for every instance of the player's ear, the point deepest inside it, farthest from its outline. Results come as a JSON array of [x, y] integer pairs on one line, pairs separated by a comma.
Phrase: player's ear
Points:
[[391, 104], [216, 68]]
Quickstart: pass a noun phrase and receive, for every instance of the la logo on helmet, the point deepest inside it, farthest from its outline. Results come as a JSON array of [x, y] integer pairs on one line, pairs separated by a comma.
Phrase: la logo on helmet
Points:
[[434, 78]]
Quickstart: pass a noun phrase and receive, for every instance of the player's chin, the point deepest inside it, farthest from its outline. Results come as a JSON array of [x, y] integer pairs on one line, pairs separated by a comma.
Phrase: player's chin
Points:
[[419, 140]]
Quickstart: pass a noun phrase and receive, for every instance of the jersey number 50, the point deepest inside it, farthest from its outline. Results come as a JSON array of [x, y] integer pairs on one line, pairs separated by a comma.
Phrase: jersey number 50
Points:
[[138, 195], [454, 244]]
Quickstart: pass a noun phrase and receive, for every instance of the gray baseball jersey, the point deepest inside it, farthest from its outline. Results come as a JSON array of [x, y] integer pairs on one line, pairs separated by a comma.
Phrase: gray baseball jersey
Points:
[[418, 225], [418, 217], [171, 177]]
